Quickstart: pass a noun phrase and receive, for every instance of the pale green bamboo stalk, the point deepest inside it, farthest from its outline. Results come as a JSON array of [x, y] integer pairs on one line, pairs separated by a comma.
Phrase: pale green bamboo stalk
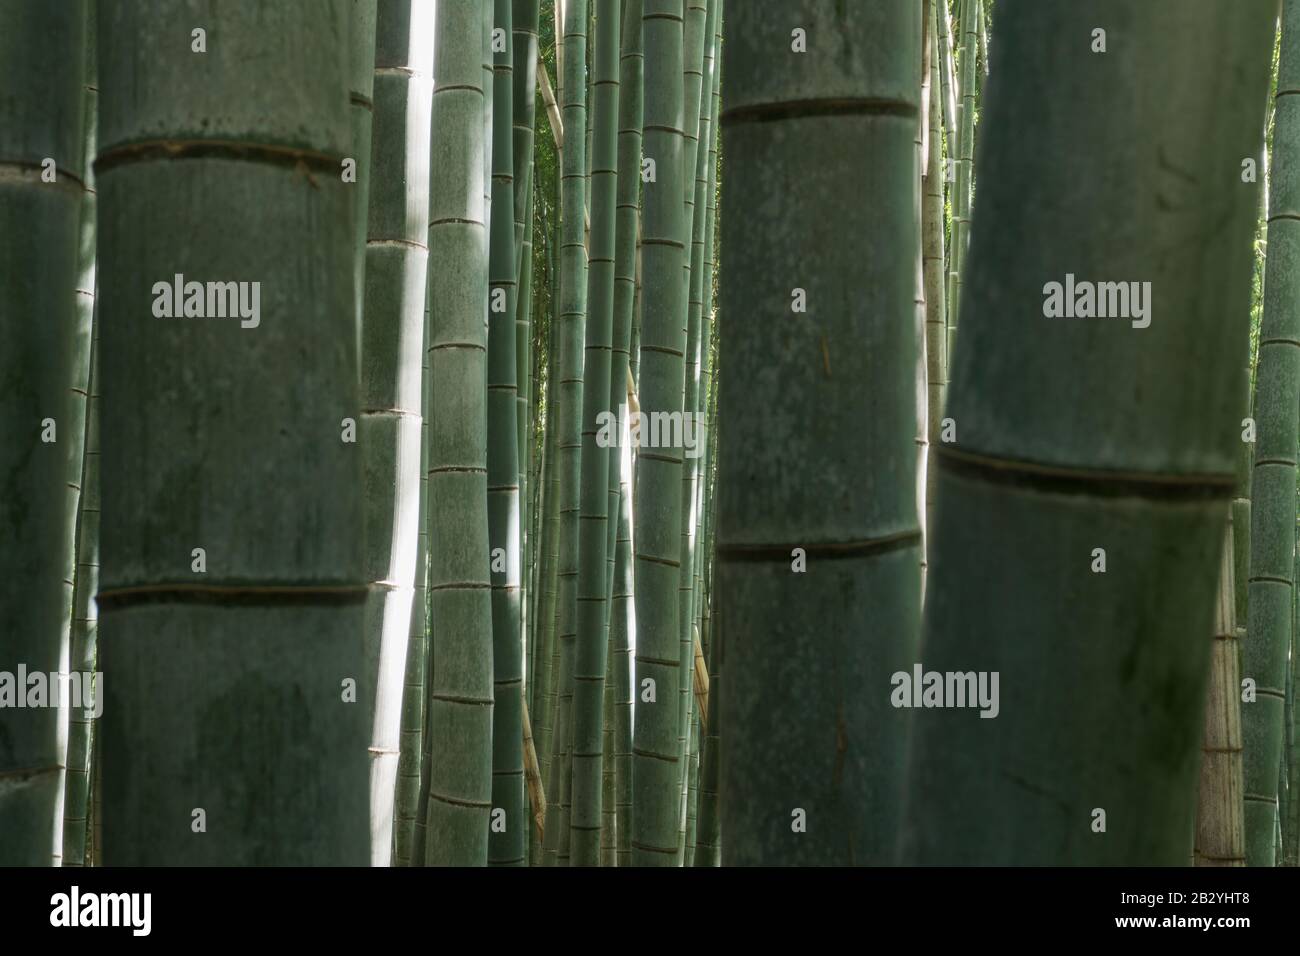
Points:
[[573, 313], [392, 339], [591, 652], [361, 100], [700, 95], [630, 115], [657, 759], [83, 549], [947, 79], [460, 702], [965, 167], [1273, 490], [508, 833]]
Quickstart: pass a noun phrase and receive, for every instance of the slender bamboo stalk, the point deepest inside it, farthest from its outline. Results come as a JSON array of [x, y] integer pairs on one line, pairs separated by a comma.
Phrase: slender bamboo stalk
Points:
[[361, 104], [1273, 491], [412, 793], [591, 650], [523, 23], [656, 761], [1092, 758], [392, 338], [631, 107], [230, 613], [932, 257], [460, 670], [1220, 825], [947, 80], [508, 833], [83, 500], [573, 313], [965, 167], [84, 627], [700, 96]]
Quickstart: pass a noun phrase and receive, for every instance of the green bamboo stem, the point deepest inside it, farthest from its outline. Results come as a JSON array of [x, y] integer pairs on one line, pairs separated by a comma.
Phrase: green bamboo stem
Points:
[[249, 651], [508, 835], [81, 731], [631, 106], [591, 651], [695, 158], [572, 317], [392, 338], [965, 167], [1220, 824], [41, 61], [814, 774], [361, 104], [947, 79], [1092, 759], [412, 793], [523, 24], [1273, 492], [932, 259], [460, 702], [81, 579], [657, 759]]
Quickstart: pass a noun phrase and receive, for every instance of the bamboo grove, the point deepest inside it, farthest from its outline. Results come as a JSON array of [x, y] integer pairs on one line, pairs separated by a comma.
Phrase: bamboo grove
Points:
[[541, 432]]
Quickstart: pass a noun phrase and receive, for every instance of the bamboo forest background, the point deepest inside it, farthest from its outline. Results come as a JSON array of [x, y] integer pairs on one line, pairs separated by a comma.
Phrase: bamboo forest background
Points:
[[541, 432]]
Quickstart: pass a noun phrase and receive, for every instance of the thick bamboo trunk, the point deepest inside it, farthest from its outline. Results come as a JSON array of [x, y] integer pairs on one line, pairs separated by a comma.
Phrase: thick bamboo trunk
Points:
[[1117, 516], [813, 772], [231, 598], [41, 49]]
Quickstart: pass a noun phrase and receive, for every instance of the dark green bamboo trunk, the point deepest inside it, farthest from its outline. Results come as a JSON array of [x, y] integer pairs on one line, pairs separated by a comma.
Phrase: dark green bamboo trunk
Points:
[[1087, 440], [656, 762], [41, 49], [812, 768], [460, 669], [590, 661], [236, 716], [1273, 487], [630, 116], [508, 834]]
